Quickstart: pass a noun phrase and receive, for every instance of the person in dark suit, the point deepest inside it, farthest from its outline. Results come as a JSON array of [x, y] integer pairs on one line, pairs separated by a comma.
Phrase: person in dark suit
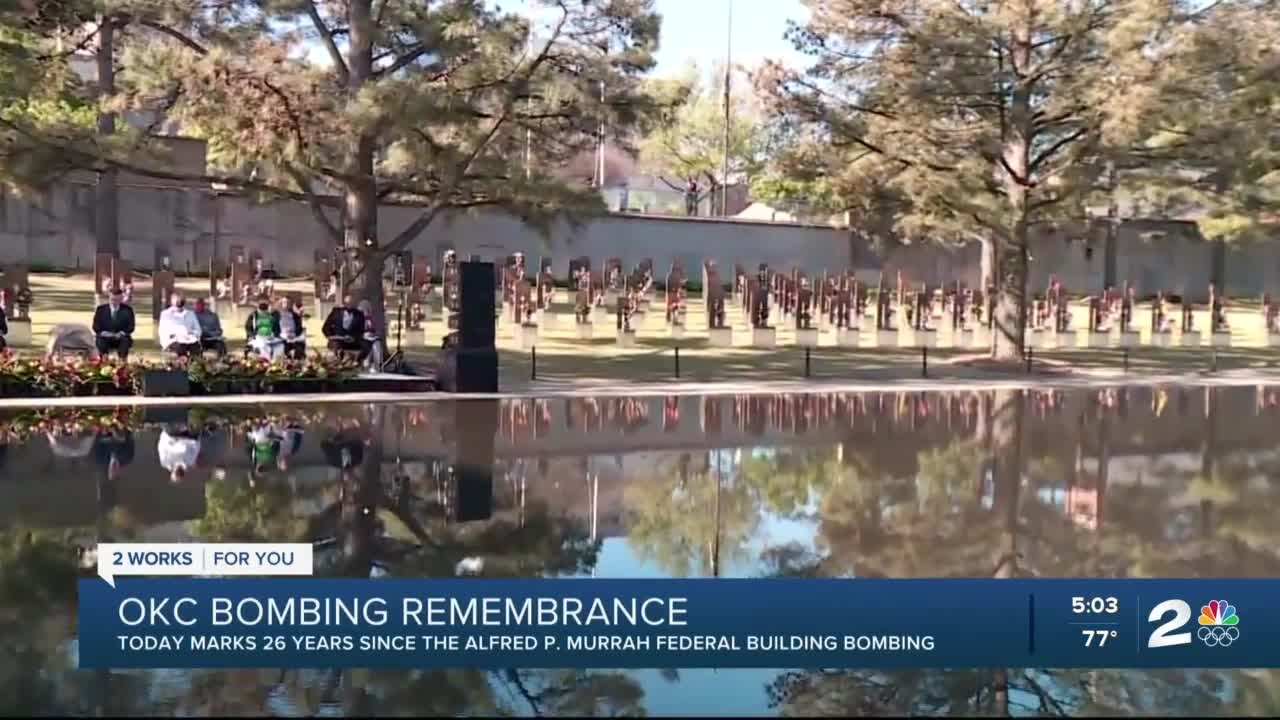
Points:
[[292, 330], [4, 328], [113, 325], [345, 329]]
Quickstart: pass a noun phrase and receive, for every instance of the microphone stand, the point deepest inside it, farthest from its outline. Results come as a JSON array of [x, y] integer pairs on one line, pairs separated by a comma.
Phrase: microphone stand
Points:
[[396, 360]]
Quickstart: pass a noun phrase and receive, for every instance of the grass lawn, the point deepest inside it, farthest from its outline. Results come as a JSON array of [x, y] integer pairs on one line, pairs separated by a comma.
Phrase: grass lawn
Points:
[[564, 358]]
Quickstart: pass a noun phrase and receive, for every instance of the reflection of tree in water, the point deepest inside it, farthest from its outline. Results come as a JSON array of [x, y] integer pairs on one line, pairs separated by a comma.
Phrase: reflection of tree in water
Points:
[[1060, 693], [945, 525], [240, 513], [691, 523]]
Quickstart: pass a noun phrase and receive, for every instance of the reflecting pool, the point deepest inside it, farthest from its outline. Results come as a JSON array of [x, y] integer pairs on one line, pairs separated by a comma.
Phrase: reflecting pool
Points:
[[1138, 482]]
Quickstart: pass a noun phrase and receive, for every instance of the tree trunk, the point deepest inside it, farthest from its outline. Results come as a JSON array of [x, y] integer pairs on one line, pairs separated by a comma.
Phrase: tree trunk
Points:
[[1113, 220], [1208, 458], [106, 227], [1009, 336], [1006, 436], [987, 265], [360, 198]]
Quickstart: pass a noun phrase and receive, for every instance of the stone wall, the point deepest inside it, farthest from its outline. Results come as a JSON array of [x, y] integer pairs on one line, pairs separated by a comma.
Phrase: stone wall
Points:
[[55, 229]]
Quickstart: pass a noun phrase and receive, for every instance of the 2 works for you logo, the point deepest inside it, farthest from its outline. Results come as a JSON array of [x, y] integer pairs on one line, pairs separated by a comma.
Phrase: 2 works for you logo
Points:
[[1218, 624]]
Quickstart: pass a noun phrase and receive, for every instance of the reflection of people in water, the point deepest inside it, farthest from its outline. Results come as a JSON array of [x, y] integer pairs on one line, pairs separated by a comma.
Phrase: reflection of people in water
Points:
[[112, 450], [345, 450], [213, 447], [264, 450], [290, 432], [70, 446], [178, 448]]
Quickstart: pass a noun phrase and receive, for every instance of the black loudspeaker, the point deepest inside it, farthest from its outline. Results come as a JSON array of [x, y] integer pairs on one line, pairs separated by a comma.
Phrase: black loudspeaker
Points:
[[476, 326], [165, 383], [476, 425], [471, 365], [473, 498], [467, 370]]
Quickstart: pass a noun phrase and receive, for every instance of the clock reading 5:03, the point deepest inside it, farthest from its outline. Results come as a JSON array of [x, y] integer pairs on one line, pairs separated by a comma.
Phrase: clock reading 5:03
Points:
[[1095, 605]]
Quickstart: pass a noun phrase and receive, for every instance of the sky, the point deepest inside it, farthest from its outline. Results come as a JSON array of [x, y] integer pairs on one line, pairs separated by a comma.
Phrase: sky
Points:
[[699, 29]]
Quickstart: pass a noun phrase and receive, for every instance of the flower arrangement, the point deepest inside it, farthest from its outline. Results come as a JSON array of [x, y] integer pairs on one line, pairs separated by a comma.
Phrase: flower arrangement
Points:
[[68, 421], [67, 376], [258, 372], [20, 427], [64, 376]]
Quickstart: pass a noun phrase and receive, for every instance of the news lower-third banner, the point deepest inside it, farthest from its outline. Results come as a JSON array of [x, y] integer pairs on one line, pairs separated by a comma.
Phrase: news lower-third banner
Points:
[[557, 623]]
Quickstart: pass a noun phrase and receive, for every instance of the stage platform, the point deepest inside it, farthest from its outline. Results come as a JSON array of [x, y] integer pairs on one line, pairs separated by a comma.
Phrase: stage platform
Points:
[[381, 382]]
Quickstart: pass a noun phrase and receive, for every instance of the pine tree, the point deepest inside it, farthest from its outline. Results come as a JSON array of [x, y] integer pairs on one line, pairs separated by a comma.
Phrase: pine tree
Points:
[[1212, 150], [377, 100], [688, 141], [979, 120]]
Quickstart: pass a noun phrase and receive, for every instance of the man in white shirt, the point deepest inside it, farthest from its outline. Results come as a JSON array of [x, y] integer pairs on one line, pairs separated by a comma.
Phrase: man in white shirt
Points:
[[179, 331], [178, 450]]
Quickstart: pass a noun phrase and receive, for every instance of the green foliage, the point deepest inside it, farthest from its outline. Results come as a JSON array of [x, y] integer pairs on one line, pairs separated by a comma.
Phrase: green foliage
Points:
[[1213, 151], [435, 105], [42, 106], [236, 512], [688, 141]]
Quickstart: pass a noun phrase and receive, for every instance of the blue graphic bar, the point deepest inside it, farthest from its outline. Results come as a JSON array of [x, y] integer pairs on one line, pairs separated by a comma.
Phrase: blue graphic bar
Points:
[[268, 623]]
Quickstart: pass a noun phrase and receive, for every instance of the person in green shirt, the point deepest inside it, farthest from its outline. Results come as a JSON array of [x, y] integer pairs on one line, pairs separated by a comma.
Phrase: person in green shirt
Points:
[[263, 330]]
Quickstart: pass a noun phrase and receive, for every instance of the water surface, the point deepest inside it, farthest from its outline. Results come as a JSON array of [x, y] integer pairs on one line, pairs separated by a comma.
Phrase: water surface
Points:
[[1163, 482]]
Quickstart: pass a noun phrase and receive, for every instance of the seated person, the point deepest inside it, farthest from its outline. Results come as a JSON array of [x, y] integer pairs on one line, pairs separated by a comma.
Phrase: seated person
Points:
[[345, 327], [263, 330], [372, 338], [113, 324], [179, 331], [210, 328], [291, 331]]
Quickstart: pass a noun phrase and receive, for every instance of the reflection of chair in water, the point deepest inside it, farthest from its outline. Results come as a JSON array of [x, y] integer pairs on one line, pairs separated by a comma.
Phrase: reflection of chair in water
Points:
[[71, 339]]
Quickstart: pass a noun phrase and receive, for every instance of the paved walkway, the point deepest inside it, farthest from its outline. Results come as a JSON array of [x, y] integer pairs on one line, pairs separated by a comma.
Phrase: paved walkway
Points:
[[1227, 378]]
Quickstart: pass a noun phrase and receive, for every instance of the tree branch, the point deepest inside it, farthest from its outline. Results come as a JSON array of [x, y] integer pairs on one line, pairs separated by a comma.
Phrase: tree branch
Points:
[[326, 37], [316, 203], [402, 61], [407, 235], [1055, 148], [176, 35]]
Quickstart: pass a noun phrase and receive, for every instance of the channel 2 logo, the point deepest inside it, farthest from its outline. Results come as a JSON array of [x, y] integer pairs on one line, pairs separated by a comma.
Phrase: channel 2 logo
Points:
[[1218, 624]]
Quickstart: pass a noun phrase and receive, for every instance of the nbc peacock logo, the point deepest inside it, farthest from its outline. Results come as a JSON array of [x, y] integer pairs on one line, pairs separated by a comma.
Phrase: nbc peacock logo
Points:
[[1218, 624]]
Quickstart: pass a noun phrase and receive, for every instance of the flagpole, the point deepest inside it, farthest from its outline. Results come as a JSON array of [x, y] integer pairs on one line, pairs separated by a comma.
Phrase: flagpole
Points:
[[728, 70]]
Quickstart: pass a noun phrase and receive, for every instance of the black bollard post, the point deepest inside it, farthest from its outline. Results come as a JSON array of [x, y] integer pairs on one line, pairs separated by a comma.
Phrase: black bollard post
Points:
[[1029, 358], [533, 363], [924, 361], [1213, 367], [677, 361], [806, 361]]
